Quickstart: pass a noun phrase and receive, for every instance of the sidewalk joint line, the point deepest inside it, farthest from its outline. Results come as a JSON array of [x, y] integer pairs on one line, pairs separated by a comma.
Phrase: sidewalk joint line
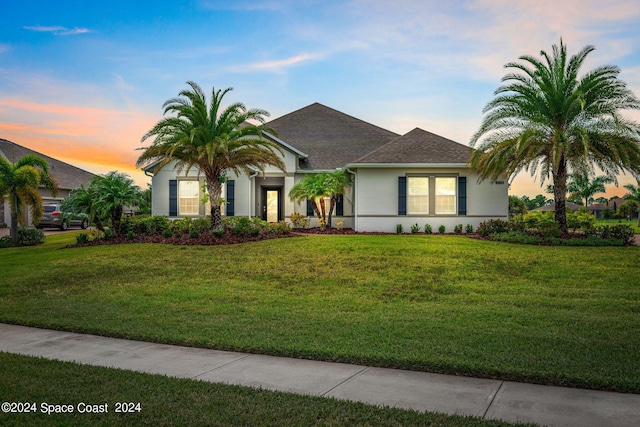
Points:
[[222, 366], [484, 416], [364, 368]]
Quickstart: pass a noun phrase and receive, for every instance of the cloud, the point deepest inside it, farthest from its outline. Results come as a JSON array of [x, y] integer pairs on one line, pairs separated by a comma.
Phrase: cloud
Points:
[[3, 48], [58, 30], [277, 65]]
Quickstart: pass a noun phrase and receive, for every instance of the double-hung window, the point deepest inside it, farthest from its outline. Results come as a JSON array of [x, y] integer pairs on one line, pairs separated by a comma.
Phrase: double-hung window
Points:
[[189, 197], [418, 195], [446, 195]]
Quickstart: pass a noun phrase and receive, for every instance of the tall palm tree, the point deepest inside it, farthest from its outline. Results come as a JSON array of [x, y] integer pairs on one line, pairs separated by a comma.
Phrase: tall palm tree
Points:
[[546, 118], [19, 183], [198, 134], [582, 186]]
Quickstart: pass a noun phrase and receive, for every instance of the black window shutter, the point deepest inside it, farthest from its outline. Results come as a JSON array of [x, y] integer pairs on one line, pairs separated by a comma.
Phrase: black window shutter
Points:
[[462, 195], [339, 206], [231, 195], [402, 195], [309, 208], [173, 197]]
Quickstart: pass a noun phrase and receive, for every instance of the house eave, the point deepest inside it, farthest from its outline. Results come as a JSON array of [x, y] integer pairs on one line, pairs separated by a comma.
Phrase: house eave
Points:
[[285, 145], [405, 165]]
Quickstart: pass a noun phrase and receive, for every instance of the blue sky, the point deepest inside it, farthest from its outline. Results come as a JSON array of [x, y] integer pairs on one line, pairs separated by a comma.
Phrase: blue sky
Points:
[[83, 81]]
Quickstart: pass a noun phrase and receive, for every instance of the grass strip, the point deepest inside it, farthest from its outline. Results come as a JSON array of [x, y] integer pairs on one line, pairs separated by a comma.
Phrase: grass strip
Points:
[[167, 401]]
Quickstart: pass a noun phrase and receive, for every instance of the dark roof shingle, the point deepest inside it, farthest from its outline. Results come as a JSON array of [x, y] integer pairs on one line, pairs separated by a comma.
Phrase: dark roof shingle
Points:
[[418, 146], [329, 137], [68, 176]]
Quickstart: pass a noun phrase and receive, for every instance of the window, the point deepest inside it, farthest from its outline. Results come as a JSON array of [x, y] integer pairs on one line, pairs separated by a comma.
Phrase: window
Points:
[[418, 195], [446, 196], [189, 197]]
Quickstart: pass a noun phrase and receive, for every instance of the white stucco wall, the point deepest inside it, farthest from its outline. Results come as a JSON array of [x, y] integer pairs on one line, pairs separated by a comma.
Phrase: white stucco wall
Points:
[[377, 200]]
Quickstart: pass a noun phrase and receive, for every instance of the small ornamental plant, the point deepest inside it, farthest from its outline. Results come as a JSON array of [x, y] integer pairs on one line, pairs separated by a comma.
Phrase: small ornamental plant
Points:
[[399, 229], [458, 229], [415, 229], [469, 229], [442, 229], [339, 225], [322, 224], [428, 229]]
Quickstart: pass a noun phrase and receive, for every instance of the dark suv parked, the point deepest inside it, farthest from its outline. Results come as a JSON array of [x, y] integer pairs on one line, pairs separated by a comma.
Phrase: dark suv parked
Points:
[[54, 217]]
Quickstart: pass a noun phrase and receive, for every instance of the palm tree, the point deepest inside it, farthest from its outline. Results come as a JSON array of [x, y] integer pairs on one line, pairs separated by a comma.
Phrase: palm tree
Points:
[[335, 185], [212, 139], [83, 200], [19, 182], [112, 192], [309, 188], [545, 118], [583, 187], [633, 195]]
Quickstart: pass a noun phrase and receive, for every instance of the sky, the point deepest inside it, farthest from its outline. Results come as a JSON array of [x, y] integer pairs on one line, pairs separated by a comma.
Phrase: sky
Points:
[[83, 81]]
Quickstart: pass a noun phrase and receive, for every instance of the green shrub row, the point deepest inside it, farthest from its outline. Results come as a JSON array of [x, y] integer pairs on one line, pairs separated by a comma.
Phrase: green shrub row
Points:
[[27, 236], [528, 239]]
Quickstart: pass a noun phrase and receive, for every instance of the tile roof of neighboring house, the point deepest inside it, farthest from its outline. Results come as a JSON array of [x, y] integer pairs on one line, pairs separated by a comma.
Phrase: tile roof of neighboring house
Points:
[[68, 177], [331, 138], [419, 146]]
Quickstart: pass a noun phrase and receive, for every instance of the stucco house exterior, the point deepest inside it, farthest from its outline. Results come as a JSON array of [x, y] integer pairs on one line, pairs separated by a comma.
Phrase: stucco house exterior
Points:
[[67, 176], [406, 179]]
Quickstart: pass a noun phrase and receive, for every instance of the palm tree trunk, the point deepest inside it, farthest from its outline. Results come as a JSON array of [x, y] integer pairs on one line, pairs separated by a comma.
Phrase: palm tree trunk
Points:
[[14, 217], [116, 219], [560, 195], [332, 204], [314, 207], [214, 187]]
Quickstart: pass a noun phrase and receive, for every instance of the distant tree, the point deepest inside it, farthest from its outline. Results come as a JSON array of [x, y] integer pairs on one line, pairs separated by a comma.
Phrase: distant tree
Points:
[[517, 206], [628, 209], [84, 200], [582, 186], [19, 183], [547, 119]]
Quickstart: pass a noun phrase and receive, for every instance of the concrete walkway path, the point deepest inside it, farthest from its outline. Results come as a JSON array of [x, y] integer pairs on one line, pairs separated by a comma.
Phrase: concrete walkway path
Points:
[[491, 399]]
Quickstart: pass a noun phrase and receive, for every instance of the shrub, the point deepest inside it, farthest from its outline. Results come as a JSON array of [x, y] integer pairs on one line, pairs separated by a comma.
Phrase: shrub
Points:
[[243, 226], [399, 228], [469, 229], [6, 242], [492, 226], [193, 233], [218, 233], [458, 229], [442, 229], [201, 224], [298, 220], [427, 229], [281, 227], [95, 234], [167, 233], [517, 237], [182, 226], [620, 232], [107, 234], [82, 238], [131, 235], [340, 225], [29, 236], [415, 228]]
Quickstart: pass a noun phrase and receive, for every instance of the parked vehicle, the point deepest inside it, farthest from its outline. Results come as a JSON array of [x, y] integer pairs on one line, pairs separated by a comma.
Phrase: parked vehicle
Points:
[[54, 217]]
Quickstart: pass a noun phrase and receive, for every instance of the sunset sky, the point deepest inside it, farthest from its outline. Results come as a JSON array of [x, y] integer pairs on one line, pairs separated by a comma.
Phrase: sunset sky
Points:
[[82, 81]]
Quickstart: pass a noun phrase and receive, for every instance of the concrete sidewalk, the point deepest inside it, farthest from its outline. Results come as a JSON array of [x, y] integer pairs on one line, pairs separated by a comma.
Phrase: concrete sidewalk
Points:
[[491, 399]]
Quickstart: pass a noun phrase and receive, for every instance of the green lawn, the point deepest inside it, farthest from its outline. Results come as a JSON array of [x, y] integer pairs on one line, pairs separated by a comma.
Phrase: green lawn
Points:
[[557, 315], [170, 401]]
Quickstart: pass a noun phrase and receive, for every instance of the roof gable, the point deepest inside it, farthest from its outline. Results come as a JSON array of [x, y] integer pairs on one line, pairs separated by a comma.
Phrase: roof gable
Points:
[[68, 176], [418, 146], [329, 137]]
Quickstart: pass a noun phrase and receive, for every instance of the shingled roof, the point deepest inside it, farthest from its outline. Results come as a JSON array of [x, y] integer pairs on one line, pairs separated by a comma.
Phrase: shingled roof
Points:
[[68, 177], [329, 137], [418, 146]]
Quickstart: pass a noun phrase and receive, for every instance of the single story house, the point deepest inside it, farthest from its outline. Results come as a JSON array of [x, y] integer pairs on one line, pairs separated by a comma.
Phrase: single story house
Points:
[[551, 207], [598, 209], [67, 176], [417, 178]]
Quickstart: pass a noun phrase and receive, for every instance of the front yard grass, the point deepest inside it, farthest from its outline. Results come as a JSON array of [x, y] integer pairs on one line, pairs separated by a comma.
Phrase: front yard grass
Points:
[[552, 315], [170, 401]]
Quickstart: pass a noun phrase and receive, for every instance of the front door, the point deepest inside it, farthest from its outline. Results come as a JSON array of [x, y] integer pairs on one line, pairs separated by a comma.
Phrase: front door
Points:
[[271, 204]]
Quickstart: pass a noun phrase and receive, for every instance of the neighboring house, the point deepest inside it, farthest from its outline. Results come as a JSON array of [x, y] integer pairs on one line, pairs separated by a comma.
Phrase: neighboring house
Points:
[[67, 176], [552, 207], [414, 178], [598, 208]]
